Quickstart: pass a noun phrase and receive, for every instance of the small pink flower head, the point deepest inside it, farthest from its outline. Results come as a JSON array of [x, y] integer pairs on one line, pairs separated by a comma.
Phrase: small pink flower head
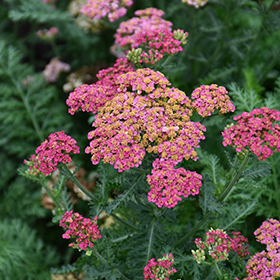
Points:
[[207, 99], [156, 44], [54, 150], [47, 34], [168, 185], [237, 245], [54, 68], [113, 9], [84, 230], [218, 245], [146, 20], [195, 3], [255, 131], [160, 269], [89, 98]]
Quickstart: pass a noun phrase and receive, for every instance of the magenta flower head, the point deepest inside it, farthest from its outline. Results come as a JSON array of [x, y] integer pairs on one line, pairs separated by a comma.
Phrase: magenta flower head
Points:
[[51, 152], [207, 99], [145, 20], [84, 230], [113, 9], [218, 244], [265, 265], [160, 269], [256, 132], [155, 44]]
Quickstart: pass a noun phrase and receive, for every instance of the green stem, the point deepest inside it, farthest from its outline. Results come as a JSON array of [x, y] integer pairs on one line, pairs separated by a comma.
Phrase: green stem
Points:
[[151, 240], [218, 271], [123, 222], [139, 170], [166, 61], [105, 263], [222, 197], [50, 194], [71, 176], [275, 182]]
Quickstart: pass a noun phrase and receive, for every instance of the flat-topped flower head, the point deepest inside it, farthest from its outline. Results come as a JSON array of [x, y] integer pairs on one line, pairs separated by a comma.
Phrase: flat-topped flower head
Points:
[[85, 231], [52, 151], [160, 269], [195, 3], [255, 131], [146, 116], [218, 244], [113, 9], [168, 185], [54, 68], [207, 99], [156, 44], [146, 20], [89, 98]]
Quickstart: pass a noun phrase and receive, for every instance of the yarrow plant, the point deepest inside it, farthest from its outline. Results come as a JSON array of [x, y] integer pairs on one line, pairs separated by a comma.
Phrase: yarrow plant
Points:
[[149, 130], [146, 20], [266, 264], [113, 9], [196, 3], [218, 245], [83, 229], [54, 150], [154, 44], [54, 68], [47, 34], [207, 99], [160, 269], [255, 131]]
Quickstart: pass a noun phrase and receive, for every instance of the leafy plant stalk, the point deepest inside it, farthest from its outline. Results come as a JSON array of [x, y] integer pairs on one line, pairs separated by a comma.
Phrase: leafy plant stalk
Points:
[[222, 197]]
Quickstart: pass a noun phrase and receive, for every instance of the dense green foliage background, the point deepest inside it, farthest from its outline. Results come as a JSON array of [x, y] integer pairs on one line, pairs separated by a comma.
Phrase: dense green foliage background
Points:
[[233, 43]]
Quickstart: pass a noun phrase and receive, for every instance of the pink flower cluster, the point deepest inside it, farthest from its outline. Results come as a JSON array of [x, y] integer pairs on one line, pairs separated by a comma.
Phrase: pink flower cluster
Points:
[[54, 68], [218, 245], [147, 20], [156, 43], [47, 34], [266, 264], [89, 98], [256, 132], [98, 9], [195, 3], [54, 150], [148, 116], [160, 269], [207, 99], [167, 184], [83, 229]]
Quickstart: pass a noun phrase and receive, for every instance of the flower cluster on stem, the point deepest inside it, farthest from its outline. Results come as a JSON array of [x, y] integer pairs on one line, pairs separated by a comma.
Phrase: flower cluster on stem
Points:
[[54, 150], [218, 244], [266, 264], [195, 3], [147, 19], [255, 131], [160, 269], [83, 229], [113, 9], [154, 44], [207, 99]]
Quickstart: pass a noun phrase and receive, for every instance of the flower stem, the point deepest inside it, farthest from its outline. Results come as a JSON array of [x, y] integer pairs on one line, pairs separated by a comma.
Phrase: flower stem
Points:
[[50, 194], [121, 221], [222, 197], [151, 240], [218, 271], [71, 176]]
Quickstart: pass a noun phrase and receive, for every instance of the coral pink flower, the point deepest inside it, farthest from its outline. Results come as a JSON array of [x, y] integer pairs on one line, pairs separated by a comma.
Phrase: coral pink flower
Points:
[[54, 150], [84, 230], [256, 131], [160, 269]]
